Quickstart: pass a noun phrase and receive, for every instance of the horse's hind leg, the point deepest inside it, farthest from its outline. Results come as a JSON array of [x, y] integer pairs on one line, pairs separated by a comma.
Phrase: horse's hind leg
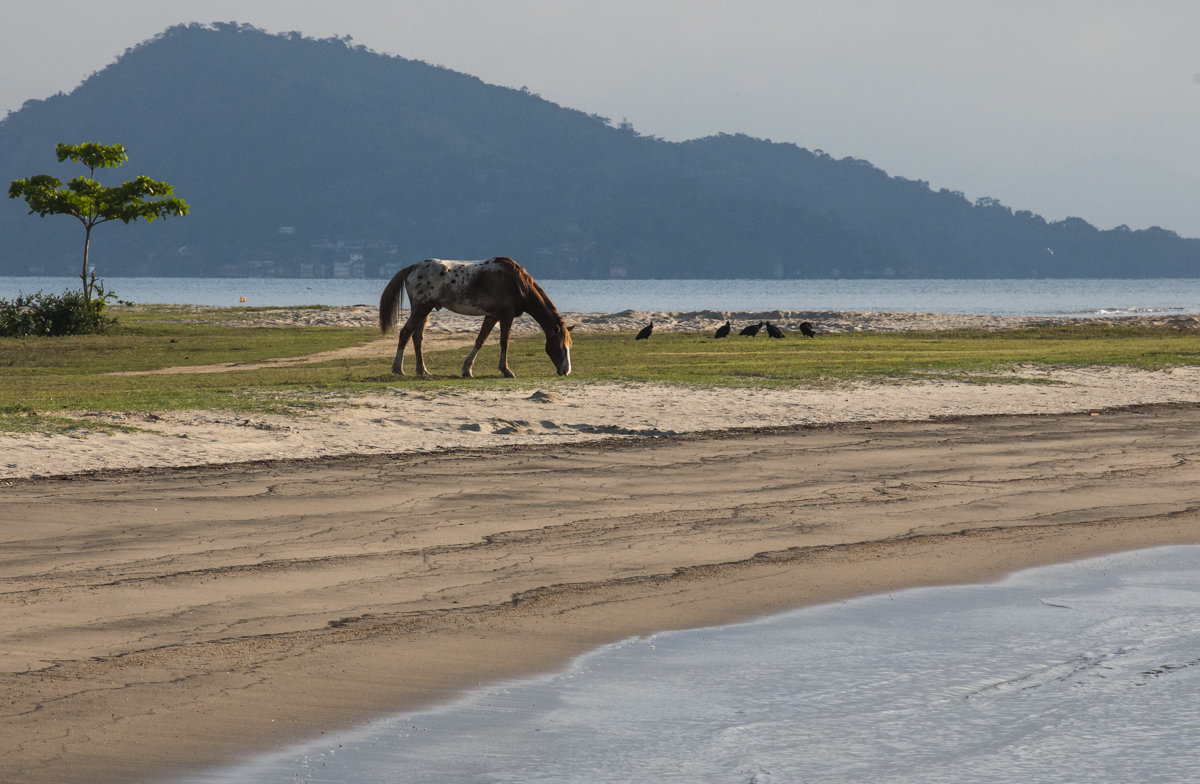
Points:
[[484, 331], [505, 331], [413, 328]]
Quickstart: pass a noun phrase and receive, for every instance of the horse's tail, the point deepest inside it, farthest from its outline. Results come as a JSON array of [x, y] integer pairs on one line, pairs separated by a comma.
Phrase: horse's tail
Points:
[[392, 299]]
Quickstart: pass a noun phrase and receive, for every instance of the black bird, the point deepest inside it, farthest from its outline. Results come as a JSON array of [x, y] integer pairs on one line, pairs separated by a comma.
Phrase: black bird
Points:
[[806, 329], [774, 331], [753, 329], [723, 332], [645, 333]]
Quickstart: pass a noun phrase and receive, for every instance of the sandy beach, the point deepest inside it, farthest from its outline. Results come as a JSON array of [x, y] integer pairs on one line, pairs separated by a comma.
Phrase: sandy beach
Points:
[[206, 586]]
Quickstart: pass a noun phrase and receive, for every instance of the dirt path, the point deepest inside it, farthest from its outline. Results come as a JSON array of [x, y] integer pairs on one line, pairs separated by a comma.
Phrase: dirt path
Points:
[[384, 347]]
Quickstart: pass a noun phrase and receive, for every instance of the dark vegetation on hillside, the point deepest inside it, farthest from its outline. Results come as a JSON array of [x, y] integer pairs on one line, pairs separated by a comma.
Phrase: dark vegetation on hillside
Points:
[[305, 157]]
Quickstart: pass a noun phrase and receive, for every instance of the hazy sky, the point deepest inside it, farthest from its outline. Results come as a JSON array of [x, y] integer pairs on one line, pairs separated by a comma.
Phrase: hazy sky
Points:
[[1082, 108]]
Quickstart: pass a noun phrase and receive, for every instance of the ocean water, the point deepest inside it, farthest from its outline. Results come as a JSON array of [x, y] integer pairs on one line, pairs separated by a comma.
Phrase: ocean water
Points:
[[1087, 671], [1040, 297]]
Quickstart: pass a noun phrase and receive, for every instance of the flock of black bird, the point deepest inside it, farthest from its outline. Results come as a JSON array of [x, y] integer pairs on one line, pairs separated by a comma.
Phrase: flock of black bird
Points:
[[750, 330]]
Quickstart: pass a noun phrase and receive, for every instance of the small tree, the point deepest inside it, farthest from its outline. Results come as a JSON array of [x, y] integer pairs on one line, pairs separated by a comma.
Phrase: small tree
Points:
[[92, 203]]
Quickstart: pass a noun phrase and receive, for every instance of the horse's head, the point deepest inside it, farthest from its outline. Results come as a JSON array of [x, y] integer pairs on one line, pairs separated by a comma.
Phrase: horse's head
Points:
[[558, 347]]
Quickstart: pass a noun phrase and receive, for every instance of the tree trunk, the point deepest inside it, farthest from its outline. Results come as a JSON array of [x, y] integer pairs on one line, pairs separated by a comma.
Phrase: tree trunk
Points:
[[87, 289]]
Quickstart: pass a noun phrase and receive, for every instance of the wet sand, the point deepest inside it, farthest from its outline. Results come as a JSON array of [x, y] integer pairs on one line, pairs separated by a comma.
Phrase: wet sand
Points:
[[157, 620], [169, 608]]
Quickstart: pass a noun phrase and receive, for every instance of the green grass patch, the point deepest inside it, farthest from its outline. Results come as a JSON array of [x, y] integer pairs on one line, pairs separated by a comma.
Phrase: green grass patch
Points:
[[701, 359], [45, 378], [73, 373], [27, 421]]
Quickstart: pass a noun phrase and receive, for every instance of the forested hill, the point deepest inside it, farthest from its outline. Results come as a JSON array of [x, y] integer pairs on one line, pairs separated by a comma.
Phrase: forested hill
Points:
[[317, 157]]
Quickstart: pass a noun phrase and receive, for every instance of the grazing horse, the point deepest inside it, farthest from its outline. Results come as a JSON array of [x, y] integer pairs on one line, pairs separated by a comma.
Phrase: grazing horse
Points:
[[498, 289]]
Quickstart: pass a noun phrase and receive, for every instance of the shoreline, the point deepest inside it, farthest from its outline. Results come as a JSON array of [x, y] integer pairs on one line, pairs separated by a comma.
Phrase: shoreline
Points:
[[630, 320], [358, 615], [174, 602]]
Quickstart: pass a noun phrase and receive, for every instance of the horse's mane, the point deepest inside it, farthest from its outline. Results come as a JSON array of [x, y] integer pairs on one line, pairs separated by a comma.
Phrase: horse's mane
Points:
[[537, 304]]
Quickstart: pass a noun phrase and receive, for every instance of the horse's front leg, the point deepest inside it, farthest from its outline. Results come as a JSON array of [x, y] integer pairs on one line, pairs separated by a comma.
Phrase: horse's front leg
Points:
[[413, 328], [505, 331], [484, 331]]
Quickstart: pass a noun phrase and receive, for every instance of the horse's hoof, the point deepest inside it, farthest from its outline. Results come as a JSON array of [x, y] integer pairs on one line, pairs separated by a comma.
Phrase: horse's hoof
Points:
[[467, 374], [509, 374]]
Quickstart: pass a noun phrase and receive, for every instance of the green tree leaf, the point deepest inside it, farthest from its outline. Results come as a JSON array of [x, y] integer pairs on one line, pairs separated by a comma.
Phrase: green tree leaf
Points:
[[92, 203]]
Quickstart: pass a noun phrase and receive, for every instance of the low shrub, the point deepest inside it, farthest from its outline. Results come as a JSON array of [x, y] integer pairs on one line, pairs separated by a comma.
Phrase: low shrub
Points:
[[47, 315]]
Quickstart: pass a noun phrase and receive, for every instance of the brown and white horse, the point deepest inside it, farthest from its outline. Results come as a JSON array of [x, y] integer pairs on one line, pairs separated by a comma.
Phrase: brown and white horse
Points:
[[498, 289]]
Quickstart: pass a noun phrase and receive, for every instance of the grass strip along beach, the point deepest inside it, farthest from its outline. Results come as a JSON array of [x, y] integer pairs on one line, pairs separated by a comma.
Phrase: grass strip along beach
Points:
[[226, 530], [116, 371]]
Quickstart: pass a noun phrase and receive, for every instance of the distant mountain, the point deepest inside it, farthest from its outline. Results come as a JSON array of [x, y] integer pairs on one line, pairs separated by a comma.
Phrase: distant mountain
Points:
[[304, 157]]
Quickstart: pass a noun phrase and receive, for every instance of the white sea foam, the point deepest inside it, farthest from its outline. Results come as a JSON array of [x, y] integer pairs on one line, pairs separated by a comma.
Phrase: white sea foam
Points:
[[1079, 672]]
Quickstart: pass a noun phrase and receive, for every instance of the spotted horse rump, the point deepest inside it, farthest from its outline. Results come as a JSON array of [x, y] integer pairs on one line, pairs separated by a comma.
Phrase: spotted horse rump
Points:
[[499, 289]]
